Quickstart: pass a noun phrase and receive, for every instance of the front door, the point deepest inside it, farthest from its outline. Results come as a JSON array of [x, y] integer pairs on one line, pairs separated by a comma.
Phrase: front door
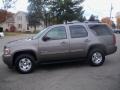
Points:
[[56, 46]]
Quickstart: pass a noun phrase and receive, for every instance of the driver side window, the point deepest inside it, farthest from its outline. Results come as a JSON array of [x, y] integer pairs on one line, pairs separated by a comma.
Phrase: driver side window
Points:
[[57, 33]]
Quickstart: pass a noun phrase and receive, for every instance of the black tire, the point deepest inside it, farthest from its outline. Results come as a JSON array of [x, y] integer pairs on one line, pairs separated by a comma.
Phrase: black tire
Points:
[[97, 62], [31, 63]]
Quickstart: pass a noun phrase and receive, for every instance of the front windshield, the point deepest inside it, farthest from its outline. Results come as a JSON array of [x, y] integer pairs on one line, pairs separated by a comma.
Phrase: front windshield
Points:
[[40, 33]]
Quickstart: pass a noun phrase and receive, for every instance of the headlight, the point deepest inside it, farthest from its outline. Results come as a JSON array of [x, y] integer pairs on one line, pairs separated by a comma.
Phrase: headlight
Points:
[[6, 50]]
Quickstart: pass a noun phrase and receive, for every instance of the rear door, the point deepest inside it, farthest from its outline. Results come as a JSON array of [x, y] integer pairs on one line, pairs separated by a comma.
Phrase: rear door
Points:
[[78, 40]]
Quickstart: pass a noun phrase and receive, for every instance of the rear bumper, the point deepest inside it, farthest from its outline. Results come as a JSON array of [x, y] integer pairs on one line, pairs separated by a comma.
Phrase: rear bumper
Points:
[[8, 60], [111, 50]]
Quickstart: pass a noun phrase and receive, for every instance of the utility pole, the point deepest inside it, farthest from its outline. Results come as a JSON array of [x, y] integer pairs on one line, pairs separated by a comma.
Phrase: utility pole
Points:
[[111, 11], [111, 15]]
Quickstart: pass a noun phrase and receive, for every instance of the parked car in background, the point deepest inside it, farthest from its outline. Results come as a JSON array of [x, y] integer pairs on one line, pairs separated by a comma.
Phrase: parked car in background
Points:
[[64, 42], [116, 31], [1, 32]]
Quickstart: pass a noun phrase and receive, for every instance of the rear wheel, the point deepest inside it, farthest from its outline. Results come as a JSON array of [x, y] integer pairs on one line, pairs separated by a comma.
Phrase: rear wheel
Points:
[[96, 57], [24, 63]]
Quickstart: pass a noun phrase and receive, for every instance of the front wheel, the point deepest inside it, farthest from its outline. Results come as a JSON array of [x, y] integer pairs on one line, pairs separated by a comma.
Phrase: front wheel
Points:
[[24, 63], [96, 57]]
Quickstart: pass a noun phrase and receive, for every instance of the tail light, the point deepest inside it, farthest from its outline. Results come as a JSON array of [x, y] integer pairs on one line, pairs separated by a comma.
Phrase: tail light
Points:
[[114, 39]]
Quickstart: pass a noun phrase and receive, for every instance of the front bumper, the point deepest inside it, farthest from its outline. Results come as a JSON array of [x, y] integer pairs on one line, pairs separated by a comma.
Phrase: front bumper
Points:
[[8, 60]]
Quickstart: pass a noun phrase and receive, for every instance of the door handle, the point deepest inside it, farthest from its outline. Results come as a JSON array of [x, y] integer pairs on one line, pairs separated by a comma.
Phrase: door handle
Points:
[[87, 40], [63, 43]]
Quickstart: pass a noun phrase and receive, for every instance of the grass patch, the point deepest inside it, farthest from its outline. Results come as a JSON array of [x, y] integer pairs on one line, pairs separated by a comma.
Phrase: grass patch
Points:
[[12, 33], [19, 33]]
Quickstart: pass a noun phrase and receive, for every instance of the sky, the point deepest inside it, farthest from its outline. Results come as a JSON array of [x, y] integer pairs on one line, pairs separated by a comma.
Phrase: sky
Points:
[[20, 5], [100, 8]]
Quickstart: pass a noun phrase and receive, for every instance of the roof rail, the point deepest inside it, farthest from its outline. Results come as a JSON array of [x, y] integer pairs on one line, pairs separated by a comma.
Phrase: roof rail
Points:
[[72, 22], [92, 22]]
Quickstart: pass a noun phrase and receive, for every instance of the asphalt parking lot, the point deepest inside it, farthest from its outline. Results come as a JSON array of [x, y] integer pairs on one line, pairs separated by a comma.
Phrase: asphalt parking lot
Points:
[[67, 76]]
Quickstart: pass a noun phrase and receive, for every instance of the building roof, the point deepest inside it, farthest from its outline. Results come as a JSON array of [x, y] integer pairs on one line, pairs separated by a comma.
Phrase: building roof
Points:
[[21, 12]]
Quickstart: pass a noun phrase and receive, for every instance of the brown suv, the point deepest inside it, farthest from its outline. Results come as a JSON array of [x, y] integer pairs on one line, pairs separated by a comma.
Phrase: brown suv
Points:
[[61, 42]]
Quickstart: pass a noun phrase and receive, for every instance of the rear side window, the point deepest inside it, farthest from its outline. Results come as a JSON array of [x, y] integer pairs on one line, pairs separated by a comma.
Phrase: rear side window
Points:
[[77, 31], [100, 30]]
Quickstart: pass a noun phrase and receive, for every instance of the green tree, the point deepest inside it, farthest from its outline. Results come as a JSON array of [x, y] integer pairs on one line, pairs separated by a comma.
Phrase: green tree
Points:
[[33, 20], [93, 18], [55, 11], [67, 10], [35, 12]]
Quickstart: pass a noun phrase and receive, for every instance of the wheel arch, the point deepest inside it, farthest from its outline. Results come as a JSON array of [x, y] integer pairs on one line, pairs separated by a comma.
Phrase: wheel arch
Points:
[[97, 46], [30, 52]]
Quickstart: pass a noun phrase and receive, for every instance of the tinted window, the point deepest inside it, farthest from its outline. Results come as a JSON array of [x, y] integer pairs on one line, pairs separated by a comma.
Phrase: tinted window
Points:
[[57, 33], [77, 31], [100, 29]]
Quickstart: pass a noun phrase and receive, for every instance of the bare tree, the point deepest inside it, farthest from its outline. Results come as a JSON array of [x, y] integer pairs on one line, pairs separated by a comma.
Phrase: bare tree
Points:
[[8, 4]]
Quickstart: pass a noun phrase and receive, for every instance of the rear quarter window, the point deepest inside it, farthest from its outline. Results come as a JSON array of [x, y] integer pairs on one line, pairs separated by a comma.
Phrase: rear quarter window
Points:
[[100, 30]]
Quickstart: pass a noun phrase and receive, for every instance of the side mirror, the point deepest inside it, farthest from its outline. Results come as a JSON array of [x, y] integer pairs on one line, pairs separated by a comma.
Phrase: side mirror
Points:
[[45, 38]]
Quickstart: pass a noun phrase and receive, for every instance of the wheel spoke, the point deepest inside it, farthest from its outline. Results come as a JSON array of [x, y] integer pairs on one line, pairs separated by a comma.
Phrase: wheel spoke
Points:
[[97, 58], [25, 64]]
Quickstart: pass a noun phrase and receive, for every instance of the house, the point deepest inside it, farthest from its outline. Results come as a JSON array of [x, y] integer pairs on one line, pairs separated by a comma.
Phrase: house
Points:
[[18, 22], [8, 23]]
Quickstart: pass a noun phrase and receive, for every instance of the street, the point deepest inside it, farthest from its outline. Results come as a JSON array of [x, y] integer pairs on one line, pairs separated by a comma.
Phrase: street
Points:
[[65, 76]]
